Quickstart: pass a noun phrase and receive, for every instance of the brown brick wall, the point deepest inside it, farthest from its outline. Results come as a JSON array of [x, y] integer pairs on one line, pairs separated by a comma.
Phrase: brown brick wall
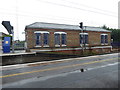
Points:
[[72, 37], [95, 38], [30, 38], [87, 51]]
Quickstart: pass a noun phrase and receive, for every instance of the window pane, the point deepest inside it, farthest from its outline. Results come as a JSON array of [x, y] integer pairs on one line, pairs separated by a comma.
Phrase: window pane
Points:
[[57, 39], [63, 38], [86, 39], [81, 39], [106, 38], [38, 39], [102, 38], [46, 35]]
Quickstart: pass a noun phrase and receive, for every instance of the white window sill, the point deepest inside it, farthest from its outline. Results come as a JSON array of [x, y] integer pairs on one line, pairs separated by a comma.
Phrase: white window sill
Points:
[[37, 46], [105, 44], [46, 46], [63, 45], [57, 45]]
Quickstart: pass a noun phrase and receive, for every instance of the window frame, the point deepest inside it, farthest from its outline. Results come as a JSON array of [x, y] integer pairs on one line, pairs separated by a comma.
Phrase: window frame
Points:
[[45, 39], [104, 39], [39, 39], [60, 37], [42, 38], [84, 36], [63, 39], [57, 44]]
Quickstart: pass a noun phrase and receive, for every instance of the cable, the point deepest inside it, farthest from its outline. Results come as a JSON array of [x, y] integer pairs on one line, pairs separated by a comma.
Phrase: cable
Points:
[[76, 8], [89, 6], [77, 21], [17, 19]]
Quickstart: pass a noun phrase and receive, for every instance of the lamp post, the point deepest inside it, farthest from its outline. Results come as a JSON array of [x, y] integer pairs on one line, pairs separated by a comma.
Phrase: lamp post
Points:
[[82, 30], [10, 30], [12, 41], [84, 37]]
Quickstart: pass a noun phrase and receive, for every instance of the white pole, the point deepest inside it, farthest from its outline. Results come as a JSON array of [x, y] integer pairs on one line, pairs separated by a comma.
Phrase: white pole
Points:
[[82, 41], [12, 41]]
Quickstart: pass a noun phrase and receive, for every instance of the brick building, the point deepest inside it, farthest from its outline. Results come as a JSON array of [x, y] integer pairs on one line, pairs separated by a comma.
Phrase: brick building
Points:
[[41, 36]]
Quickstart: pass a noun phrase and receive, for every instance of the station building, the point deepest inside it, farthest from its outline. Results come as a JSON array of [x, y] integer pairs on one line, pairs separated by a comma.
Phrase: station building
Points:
[[41, 36]]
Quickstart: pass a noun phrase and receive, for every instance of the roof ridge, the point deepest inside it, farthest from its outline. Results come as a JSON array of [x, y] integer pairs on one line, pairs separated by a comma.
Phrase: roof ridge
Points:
[[31, 24], [93, 27], [56, 23], [63, 26]]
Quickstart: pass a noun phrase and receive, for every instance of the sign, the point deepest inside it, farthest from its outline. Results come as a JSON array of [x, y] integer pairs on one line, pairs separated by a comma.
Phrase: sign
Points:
[[7, 41]]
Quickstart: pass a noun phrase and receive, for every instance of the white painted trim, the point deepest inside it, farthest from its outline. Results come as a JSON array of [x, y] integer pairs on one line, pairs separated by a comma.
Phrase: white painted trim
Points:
[[104, 34], [74, 48], [104, 43], [41, 32], [83, 33], [103, 47], [60, 33], [45, 45], [83, 44], [57, 45], [64, 45], [38, 46]]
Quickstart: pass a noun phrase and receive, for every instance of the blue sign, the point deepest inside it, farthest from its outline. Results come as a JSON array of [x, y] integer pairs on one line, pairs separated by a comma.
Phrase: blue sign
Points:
[[6, 41], [6, 44]]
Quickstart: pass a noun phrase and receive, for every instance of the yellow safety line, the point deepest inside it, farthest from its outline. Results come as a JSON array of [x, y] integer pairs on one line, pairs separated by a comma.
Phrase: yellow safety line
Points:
[[55, 68]]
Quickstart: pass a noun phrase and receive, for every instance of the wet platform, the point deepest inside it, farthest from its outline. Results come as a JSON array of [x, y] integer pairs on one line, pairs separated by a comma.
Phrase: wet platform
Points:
[[17, 53]]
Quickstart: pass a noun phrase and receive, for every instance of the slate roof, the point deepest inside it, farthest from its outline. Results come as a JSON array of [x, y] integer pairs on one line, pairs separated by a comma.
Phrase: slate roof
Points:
[[45, 25]]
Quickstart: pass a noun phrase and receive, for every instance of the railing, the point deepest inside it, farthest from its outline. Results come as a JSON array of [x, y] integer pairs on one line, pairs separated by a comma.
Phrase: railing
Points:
[[116, 45], [19, 46]]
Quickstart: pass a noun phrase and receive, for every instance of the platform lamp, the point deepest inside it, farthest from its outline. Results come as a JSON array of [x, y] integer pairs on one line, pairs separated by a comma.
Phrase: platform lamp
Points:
[[82, 30], [10, 30]]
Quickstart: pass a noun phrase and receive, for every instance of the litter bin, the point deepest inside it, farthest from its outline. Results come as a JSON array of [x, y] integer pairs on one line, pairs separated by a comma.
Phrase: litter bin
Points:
[[6, 45]]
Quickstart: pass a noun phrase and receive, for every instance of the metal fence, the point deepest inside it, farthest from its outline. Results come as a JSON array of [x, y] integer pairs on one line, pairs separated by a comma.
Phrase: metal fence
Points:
[[19, 46], [116, 45]]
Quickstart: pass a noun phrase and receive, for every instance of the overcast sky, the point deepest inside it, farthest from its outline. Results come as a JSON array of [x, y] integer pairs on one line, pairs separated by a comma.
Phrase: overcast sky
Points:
[[91, 12]]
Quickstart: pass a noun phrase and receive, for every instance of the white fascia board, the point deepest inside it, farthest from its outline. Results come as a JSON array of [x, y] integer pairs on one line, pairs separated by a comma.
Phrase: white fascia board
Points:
[[41, 32], [60, 33]]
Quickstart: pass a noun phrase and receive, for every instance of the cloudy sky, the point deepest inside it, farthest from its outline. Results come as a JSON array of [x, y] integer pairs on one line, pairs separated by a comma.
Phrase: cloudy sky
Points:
[[91, 12]]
